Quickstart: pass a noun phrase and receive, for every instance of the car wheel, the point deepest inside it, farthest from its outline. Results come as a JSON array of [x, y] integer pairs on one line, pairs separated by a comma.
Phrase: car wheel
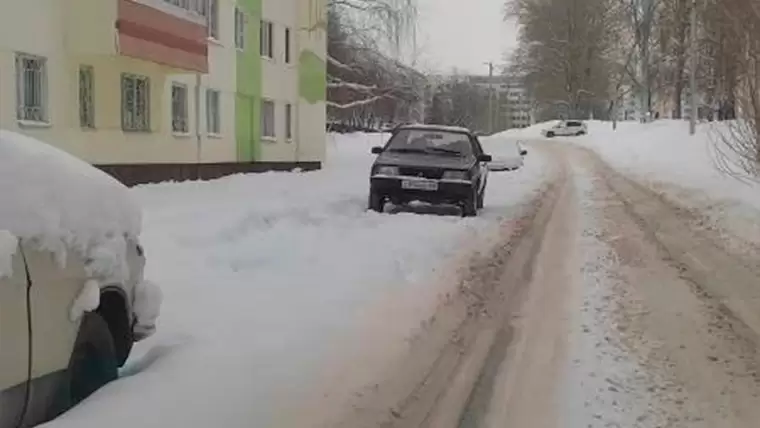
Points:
[[549, 135], [470, 205], [376, 202], [94, 362], [580, 133]]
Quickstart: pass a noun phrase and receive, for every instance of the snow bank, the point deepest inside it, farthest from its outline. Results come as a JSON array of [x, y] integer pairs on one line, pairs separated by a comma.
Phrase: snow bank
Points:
[[59, 201], [269, 278], [665, 157]]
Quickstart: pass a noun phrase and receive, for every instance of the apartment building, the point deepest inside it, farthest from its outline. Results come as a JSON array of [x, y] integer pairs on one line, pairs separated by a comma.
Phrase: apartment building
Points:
[[168, 89]]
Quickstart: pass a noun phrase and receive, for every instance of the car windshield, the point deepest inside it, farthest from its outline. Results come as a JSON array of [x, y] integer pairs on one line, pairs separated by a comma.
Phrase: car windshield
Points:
[[442, 143]]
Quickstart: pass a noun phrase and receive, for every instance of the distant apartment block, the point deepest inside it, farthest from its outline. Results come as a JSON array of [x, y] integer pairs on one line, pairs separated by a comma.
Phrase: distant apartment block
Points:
[[160, 89], [513, 107]]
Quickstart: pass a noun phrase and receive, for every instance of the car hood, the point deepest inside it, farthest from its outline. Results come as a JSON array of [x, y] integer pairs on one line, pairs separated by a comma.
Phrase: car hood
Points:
[[422, 160]]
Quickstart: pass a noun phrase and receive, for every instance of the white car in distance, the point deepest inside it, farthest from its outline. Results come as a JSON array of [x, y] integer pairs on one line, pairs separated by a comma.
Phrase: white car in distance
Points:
[[73, 299], [566, 128]]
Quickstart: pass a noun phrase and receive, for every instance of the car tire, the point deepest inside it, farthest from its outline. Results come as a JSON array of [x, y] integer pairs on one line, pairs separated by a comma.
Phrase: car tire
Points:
[[470, 205], [549, 135], [376, 202], [94, 362], [581, 133]]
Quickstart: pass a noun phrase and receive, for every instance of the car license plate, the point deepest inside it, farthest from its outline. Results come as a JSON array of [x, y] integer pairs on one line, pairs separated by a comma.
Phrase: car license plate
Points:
[[428, 185]]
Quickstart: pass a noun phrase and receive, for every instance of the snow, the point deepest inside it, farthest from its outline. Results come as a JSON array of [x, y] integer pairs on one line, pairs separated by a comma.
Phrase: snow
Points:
[[421, 126], [505, 152], [271, 281], [147, 306], [87, 301], [60, 202], [665, 157], [602, 384], [8, 248]]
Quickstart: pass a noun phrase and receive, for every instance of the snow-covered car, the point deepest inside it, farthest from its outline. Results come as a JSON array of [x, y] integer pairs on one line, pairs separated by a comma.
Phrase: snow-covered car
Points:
[[73, 299], [433, 164], [510, 157], [566, 128]]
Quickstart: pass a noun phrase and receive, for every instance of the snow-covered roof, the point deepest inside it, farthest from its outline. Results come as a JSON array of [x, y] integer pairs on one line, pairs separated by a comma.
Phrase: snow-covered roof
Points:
[[58, 200]]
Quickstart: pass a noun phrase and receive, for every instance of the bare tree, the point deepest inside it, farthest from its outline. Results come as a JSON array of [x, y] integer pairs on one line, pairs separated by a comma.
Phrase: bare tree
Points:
[[365, 80], [738, 144], [565, 52]]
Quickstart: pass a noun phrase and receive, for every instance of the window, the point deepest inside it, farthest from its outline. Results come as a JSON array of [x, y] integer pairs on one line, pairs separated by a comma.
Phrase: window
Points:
[[31, 88], [287, 46], [179, 109], [86, 97], [288, 122], [267, 119], [239, 29], [213, 112], [267, 42], [212, 19], [198, 7], [135, 103]]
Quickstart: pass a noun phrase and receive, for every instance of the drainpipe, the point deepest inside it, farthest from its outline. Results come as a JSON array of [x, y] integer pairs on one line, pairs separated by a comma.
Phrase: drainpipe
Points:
[[295, 118], [198, 126]]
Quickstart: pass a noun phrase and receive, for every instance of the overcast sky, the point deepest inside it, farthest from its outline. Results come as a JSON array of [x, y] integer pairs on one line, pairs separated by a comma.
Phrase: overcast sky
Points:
[[463, 34]]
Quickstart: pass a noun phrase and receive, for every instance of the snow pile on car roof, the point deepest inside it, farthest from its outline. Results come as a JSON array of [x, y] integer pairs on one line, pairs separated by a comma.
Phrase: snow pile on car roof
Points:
[[59, 201]]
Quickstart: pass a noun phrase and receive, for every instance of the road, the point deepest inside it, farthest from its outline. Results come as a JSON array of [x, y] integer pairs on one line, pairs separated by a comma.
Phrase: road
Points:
[[603, 306]]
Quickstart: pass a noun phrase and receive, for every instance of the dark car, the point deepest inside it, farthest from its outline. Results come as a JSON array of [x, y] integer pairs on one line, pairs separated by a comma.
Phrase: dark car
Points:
[[434, 164]]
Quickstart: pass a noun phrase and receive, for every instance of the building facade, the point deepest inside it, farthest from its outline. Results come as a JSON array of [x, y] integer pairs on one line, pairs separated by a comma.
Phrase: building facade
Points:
[[512, 105], [168, 89]]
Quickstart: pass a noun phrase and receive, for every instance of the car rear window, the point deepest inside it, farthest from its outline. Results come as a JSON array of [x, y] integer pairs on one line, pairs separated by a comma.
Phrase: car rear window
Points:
[[574, 124], [432, 142]]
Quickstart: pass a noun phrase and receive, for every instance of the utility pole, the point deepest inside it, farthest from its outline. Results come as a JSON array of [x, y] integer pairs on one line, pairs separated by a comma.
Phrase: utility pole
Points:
[[693, 73], [490, 97]]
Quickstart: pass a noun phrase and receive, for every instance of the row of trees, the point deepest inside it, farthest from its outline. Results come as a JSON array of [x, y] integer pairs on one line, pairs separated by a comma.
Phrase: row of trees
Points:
[[367, 85], [591, 56]]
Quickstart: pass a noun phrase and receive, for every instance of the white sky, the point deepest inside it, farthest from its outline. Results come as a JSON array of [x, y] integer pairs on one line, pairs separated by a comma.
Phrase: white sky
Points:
[[463, 34]]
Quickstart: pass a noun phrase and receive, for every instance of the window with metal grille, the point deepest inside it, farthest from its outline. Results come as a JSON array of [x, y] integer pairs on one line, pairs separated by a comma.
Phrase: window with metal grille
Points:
[[213, 112], [31, 88], [239, 29], [86, 97], [267, 119], [267, 39], [289, 121], [179, 108], [135, 103]]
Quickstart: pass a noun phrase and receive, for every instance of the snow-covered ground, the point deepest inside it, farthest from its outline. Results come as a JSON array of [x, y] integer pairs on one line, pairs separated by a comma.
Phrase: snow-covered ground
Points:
[[269, 281], [663, 156]]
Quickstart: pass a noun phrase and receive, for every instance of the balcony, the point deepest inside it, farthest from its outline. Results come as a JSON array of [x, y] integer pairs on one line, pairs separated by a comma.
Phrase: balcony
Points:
[[168, 32]]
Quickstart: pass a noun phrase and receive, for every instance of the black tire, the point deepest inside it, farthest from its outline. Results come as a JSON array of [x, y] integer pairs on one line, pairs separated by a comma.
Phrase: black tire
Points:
[[470, 205], [581, 133], [94, 362], [549, 135], [376, 202]]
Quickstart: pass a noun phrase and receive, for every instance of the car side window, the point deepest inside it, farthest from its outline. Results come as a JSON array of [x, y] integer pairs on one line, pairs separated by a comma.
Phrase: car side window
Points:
[[477, 149]]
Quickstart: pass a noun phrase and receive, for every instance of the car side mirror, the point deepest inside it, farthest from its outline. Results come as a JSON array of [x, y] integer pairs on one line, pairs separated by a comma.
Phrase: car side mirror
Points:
[[377, 150], [485, 158], [523, 152]]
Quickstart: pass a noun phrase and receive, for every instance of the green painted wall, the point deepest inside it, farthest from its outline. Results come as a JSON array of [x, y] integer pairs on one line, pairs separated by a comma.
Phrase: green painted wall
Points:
[[312, 77], [249, 76]]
